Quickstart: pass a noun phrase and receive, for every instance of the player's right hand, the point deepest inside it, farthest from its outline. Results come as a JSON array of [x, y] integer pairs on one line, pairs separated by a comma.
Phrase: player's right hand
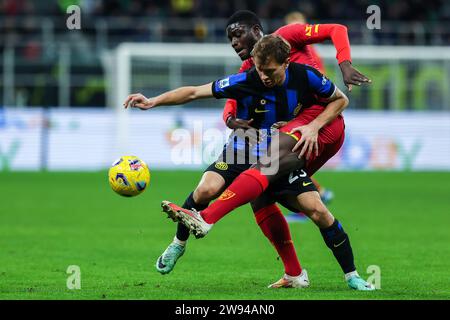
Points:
[[138, 100], [309, 139], [244, 129], [236, 123], [352, 76]]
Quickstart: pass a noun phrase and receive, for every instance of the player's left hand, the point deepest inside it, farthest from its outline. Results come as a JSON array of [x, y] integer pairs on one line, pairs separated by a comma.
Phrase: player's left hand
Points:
[[309, 136], [138, 100], [352, 76]]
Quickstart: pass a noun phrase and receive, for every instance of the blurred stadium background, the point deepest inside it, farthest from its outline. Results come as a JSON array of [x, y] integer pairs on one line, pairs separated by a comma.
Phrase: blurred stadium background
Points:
[[61, 92], [59, 86]]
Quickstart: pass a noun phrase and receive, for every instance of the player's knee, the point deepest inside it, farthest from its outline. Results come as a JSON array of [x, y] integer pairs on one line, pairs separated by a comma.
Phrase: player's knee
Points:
[[206, 192], [319, 214]]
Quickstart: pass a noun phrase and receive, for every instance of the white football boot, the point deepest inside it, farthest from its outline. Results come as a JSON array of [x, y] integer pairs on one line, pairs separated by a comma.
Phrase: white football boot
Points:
[[287, 281], [190, 218]]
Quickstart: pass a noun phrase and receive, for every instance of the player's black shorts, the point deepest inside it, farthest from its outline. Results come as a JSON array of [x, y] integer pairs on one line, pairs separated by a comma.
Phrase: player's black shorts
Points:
[[228, 171], [230, 168], [295, 183]]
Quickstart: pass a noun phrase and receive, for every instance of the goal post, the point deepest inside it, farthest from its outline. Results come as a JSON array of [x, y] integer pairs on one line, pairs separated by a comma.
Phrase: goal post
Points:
[[171, 55]]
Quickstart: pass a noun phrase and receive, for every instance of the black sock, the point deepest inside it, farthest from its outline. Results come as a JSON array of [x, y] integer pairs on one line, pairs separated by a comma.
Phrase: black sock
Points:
[[337, 240], [189, 203]]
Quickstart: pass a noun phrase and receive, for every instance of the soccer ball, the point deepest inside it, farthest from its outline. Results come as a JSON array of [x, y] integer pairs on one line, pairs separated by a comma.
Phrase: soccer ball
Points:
[[129, 176]]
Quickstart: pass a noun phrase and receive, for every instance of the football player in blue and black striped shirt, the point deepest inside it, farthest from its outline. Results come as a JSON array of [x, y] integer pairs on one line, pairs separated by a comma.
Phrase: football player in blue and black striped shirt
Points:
[[276, 90]]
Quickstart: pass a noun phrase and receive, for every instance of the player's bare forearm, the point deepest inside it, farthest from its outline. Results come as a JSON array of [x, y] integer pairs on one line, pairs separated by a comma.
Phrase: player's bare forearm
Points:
[[338, 102], [183, 95], [178, 96]]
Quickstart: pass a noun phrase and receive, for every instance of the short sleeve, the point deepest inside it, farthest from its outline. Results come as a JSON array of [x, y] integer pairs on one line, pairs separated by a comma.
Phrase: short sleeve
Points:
[[319, 84], [229, 87]]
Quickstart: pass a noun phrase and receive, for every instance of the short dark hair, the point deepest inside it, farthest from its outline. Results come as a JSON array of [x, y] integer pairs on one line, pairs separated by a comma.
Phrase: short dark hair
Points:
[[272, 45], [246, 17]]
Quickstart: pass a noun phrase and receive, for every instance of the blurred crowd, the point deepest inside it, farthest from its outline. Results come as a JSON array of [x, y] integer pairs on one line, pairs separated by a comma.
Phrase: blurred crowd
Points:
[[34, 34], [398, 10], [106, 23]]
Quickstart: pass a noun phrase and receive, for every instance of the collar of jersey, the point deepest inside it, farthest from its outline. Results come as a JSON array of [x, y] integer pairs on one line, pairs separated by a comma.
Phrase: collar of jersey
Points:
[[286, 80]]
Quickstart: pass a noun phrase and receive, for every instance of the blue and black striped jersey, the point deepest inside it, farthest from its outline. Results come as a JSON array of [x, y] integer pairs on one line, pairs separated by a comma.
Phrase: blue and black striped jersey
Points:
[[303, 87]]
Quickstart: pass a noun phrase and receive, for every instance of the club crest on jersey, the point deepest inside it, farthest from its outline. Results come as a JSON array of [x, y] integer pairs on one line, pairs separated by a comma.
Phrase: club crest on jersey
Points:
[[221, 165], [263, 102], [224, 83], [324, 80], [226, 195]]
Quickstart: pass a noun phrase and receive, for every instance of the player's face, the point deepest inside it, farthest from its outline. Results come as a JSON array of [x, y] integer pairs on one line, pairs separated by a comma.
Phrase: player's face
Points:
[[243, 38], [271, 73]]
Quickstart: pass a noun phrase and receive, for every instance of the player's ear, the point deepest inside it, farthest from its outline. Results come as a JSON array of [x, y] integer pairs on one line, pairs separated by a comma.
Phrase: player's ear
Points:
[[286, 62], [257, 31]]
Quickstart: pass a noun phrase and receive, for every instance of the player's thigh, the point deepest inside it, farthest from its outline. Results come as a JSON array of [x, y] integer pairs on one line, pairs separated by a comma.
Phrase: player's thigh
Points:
[[210, 187], [298, 193], [312, 206], [330, 139], [264, 200], [328, 150], [304, 202], [310, 202], [280, 159], [216, 178]]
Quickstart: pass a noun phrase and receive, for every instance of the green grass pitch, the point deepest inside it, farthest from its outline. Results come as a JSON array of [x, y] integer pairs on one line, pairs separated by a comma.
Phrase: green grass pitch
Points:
[[48, 221]]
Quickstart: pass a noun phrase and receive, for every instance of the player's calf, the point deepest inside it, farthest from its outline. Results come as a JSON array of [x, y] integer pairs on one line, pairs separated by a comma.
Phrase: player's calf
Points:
[[339, 243]]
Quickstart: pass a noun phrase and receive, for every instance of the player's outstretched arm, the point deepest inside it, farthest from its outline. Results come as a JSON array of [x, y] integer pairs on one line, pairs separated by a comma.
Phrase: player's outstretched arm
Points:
[[352, 76], [338, 34], [310, 132], [304, 34], [178, 96]]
